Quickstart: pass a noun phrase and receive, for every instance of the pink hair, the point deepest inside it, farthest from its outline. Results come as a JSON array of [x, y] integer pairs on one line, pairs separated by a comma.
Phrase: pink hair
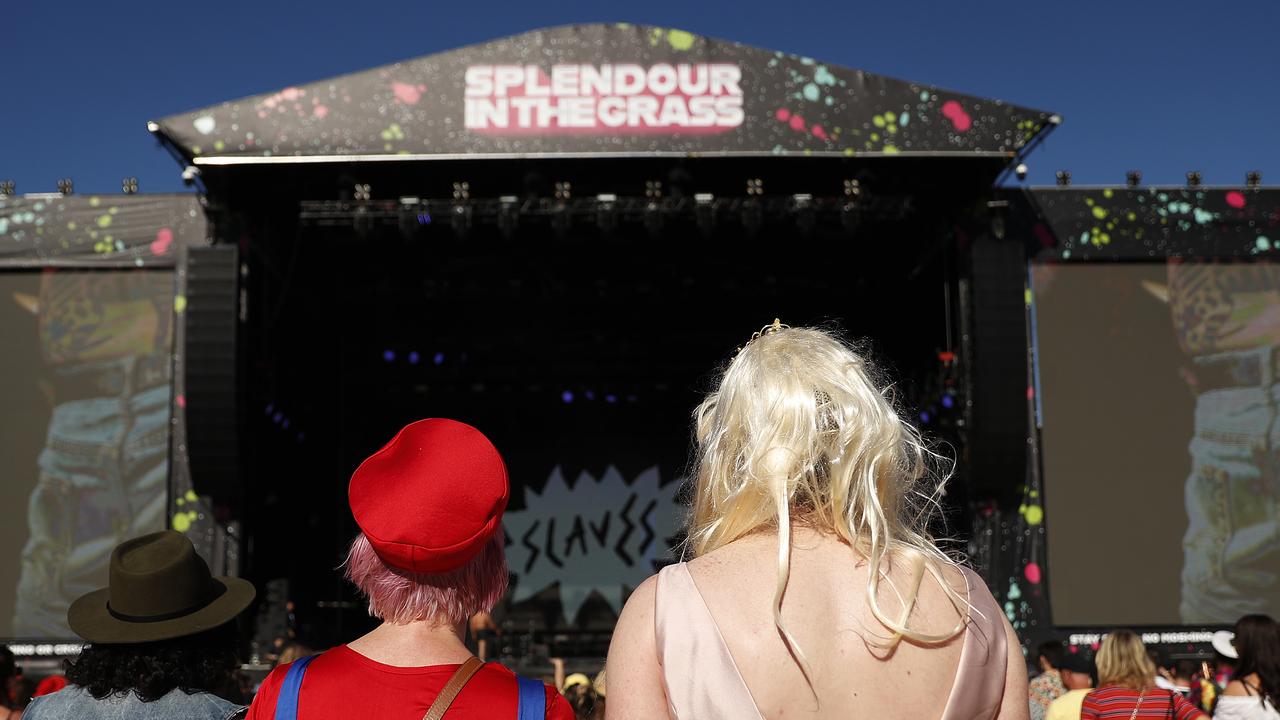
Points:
[[451, 598]]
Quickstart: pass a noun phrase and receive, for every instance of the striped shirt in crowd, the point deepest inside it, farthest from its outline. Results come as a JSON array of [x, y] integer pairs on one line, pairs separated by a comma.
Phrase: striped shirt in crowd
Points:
[[1114, 701]]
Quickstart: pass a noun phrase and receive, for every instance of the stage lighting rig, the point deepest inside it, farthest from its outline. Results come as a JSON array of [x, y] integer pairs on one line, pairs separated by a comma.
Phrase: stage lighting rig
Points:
[[461, 211], [704, 212], [413, 214], [653, 207], [1064, 178], [65, 186], [1133, 178], [508, 215], [7, 188], [606, 212], [752, 211], [1194, 179], [129, 186], [561, 217], [851, 209], [1253, 179], [802, 206], [362, 192]]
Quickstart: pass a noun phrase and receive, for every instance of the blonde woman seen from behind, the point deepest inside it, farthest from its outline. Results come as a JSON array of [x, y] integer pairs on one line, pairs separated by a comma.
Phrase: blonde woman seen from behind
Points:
[[1126, 685], [814, 590]]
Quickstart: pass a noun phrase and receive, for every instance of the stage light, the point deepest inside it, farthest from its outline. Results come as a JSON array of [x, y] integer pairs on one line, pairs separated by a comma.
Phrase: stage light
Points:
[[362, 192], [1021, 171], [7, 188], [851, 210], [409, 216], [611, 399], [508, 215], [653, 189], [1064, 178], [561, 219], [704, 211], [389, 355], [65, 186], [755, 186], [1133, 178], [129, 186], [653, 217], [190, 174], [606, 212], [1252, 179], [438, 358], [1194, 178], [802, 205], [566, 396], [414, 357], [461, 219]]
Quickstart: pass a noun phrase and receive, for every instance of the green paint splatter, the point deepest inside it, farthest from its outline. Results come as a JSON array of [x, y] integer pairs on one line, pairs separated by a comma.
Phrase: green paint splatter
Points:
[[877, 121], [1262, 243], [890, 150], [811, 92], [1034, 514], [1107, 193], [104, 221], [179, 303], [904, 118], [1015, 592], [1099, 212], [823, 76]]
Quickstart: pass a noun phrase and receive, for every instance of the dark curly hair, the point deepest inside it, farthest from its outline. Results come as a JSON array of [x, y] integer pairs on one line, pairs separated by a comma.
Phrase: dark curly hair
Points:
[[205, 662]]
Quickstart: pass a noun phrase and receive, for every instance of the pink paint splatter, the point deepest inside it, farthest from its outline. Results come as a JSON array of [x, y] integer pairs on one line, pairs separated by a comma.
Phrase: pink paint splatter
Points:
[[1095, 645], [1031, 393], [782, 114], [320, 111], [164, 238], [960, 119], [292, 93], [819, 133], [181, 400], [406, 93], [1032, 573], [1235, 199], [797, 123]]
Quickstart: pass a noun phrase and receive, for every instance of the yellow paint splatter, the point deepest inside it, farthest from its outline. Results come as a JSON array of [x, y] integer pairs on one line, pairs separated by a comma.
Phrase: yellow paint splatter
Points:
[[1107, 193], [181, 522], [104, 221], [680, 40], [890, 150], [95, 201], [1099, 212], [1034, 514], [179, 303], [191, 496]]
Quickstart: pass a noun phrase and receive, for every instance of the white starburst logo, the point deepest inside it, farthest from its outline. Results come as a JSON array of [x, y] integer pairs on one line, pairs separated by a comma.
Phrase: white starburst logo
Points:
[[599, 535]]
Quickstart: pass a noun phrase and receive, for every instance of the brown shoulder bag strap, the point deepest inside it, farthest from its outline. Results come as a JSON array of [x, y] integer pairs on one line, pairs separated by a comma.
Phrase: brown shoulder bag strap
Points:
[[452, 688]]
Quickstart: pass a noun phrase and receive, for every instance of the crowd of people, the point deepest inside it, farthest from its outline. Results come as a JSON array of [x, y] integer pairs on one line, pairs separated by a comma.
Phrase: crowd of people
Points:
[[812, 589]]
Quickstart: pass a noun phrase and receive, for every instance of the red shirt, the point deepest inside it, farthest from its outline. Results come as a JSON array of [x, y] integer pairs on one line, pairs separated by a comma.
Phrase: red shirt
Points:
[[341, 684], [1113, 701]]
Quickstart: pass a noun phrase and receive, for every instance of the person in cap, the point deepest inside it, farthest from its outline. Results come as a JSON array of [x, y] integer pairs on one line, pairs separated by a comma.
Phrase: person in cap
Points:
[[162, 639], [1076, 671], [429, 556]]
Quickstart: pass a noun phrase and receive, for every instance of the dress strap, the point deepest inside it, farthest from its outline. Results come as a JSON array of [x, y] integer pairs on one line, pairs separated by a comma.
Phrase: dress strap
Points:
[[533, 699], [287, 700]]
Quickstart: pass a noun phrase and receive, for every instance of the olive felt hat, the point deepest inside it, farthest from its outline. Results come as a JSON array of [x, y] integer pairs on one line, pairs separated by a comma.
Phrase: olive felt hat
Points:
[[159, 589]]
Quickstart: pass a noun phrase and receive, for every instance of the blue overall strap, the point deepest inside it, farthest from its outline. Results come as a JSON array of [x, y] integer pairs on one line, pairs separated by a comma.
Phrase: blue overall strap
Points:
[[287, 700], [533, 700]]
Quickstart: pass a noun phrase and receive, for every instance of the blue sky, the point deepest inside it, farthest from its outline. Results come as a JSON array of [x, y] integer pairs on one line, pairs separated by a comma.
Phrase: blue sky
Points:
[[1160, 87]]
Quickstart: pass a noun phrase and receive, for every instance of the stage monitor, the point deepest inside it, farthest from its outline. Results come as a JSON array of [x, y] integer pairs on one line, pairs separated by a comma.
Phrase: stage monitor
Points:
[[86, 381], [1158, 404]]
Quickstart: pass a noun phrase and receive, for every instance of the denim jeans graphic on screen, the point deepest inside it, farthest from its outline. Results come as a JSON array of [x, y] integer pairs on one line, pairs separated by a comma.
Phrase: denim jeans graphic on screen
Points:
[[103, 474], [1232, 546]]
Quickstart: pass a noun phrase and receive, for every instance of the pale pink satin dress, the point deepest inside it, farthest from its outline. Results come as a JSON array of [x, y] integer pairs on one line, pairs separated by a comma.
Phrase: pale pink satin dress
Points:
[[703, 683]]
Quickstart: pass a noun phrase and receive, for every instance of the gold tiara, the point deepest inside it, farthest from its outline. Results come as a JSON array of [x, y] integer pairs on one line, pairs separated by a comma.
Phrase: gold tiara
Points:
[[769, 329]]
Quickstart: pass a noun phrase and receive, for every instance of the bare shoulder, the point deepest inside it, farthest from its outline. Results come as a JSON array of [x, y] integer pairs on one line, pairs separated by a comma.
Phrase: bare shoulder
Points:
[[1235, 687], [635, 679]]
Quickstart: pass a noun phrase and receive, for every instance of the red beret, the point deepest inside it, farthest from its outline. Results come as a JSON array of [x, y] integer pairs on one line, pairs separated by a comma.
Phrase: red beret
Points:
[[432, 498]]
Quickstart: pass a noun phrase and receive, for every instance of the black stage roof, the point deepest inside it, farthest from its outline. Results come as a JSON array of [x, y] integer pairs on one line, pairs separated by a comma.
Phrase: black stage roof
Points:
[[601, 90]]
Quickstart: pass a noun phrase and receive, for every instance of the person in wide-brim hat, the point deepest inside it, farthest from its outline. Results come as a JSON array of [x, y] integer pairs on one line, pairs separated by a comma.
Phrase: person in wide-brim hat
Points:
[[162, 638]]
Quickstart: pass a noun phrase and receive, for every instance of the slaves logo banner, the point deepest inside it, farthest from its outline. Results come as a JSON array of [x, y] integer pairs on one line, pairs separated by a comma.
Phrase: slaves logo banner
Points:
[[697, 98], [597, 536]]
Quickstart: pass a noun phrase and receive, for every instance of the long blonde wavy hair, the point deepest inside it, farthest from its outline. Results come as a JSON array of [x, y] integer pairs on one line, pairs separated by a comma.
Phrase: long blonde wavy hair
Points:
[[798, 431]]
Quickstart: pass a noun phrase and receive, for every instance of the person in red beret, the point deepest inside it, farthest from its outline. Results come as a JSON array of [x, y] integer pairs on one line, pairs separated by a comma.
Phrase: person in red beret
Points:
[[429, 556]]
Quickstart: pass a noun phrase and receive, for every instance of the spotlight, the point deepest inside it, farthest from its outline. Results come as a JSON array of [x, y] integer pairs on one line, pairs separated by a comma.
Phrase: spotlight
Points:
[[653, 189], [1133, 178], [606, 212], [1193, 178], [7, 188], [65, 186], [802, 205], [508, 215], [1064, 178], [755, 186], [851, 210], [1021, 171], [362, 192], [1252, 179], [704, 211], [461, 219], [129, 186]]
